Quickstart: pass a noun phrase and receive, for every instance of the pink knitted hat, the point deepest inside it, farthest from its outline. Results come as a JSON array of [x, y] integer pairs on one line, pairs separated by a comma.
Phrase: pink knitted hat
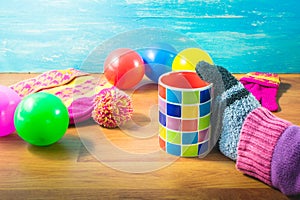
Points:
[[78, 90]]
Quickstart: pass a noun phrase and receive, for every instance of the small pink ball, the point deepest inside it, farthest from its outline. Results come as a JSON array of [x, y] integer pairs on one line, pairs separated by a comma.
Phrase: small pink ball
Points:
[[9, 100]]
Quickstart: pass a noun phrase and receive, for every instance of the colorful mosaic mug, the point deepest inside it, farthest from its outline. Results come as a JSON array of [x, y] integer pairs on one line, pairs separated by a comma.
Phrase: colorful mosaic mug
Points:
[[184, 102]]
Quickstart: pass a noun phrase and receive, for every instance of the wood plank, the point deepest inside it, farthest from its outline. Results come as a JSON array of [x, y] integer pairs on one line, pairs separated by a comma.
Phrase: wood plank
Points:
[[199, 193], [67, 170]]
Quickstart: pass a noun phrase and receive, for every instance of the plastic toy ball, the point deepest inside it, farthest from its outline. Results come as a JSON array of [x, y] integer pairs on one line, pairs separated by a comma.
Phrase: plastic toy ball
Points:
[[9, 100], [124, 68], [41, 119], [158, 59], [188, 58]]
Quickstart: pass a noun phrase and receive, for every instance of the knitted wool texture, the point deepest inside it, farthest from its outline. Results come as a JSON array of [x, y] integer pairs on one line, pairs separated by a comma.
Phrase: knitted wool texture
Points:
[[239, 103], [285, 166], [264, 87], [269, 150], [259, 135]]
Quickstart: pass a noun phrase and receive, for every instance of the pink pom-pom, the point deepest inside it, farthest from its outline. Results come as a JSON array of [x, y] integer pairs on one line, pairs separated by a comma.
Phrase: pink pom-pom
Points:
[[112, 108]]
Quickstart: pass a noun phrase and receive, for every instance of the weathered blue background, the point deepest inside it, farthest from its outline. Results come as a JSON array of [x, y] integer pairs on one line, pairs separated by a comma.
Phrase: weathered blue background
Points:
[[243, 35]]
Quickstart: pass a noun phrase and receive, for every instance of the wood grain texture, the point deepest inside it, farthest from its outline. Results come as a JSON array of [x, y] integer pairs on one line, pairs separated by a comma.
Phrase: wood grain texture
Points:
[[66, 170]]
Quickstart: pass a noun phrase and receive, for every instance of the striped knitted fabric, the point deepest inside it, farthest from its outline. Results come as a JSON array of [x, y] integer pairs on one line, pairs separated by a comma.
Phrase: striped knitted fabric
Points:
[[238, 104], [266, 79]]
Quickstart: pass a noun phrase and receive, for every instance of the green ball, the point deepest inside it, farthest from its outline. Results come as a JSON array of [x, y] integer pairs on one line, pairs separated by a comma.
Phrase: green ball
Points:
[[41, 119]]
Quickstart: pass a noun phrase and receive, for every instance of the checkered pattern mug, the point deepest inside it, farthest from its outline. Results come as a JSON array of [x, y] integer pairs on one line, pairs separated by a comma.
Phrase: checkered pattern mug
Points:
[[184, 113]]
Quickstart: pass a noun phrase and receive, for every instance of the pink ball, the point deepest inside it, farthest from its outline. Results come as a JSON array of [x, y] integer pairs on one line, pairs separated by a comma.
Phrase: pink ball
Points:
[[9, 100]]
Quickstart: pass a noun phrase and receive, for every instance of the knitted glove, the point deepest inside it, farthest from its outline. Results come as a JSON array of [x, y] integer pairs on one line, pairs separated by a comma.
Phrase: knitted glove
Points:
[[269, 150], [238, 104], [264, 87]]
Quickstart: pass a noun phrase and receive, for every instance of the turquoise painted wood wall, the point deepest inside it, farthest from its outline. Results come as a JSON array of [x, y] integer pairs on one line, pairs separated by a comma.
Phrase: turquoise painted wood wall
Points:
[[242, 35]]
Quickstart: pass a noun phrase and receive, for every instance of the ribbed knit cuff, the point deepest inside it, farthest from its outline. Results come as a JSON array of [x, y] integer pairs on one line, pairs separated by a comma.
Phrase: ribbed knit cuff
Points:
[[259, 135], [264, 79]]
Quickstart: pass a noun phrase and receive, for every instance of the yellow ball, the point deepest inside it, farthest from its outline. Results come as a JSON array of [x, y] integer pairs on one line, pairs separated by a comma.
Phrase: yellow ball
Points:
[[188, 58]]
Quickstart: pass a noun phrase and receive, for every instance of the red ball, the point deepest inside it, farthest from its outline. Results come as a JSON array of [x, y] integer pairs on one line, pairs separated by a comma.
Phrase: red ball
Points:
[[124, 68]]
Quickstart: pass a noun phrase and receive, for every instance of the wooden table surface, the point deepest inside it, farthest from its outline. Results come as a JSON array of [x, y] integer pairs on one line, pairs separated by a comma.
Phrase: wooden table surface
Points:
[[77, 167]]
